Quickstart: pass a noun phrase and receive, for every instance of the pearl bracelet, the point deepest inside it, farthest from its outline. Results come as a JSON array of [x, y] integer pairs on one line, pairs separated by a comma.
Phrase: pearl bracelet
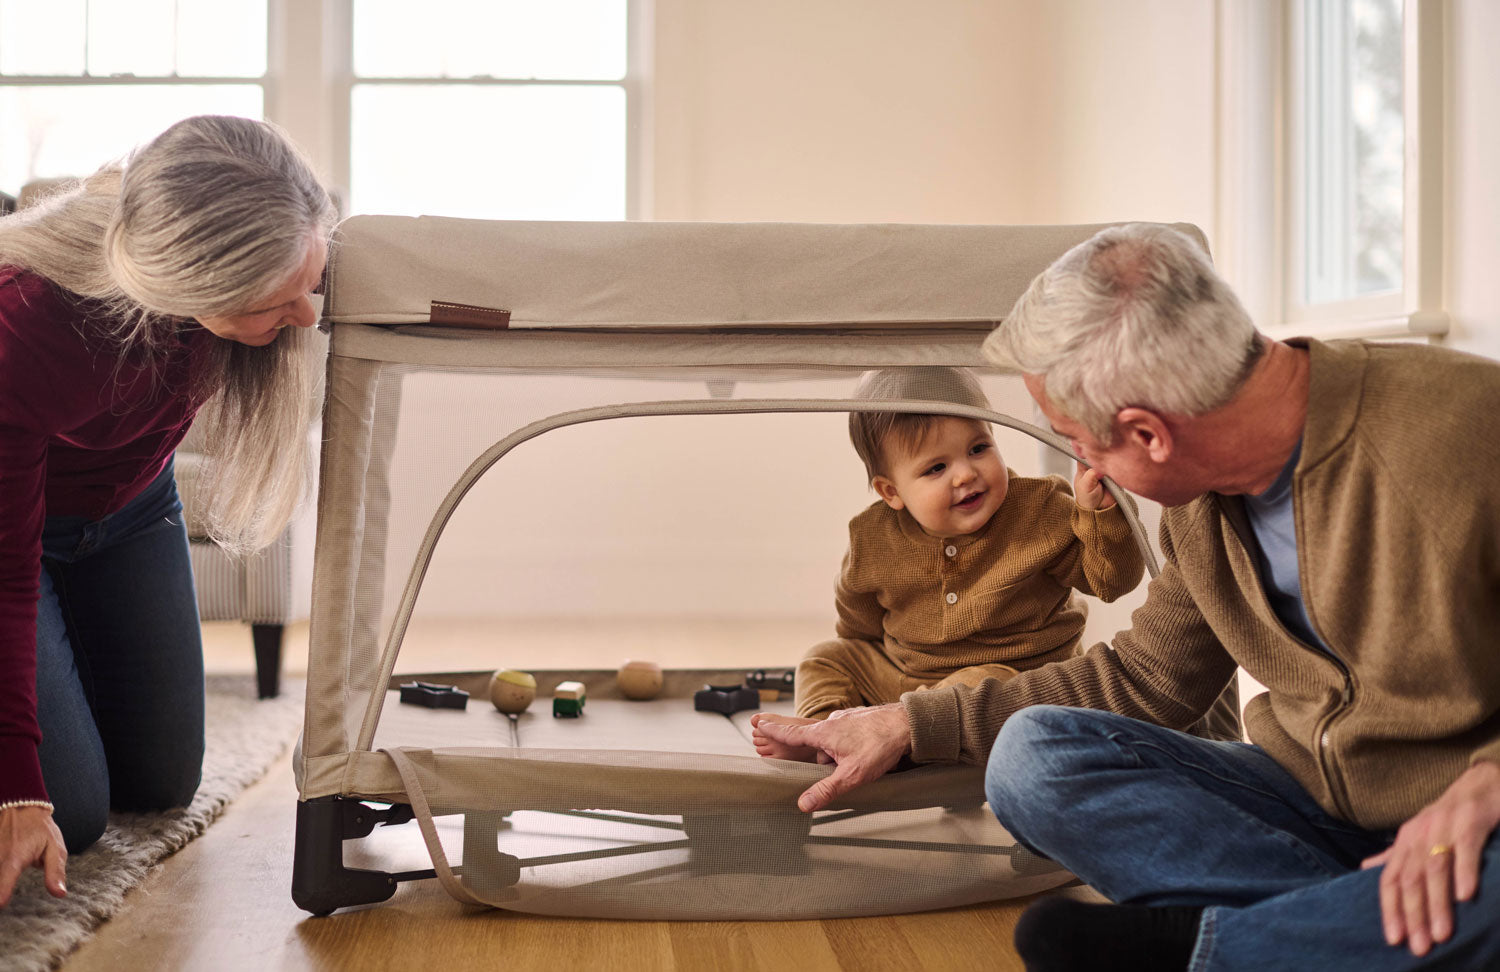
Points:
[[27, 803]]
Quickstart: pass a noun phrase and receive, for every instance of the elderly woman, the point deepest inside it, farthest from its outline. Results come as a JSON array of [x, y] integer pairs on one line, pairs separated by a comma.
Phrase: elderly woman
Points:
[[171, 287]]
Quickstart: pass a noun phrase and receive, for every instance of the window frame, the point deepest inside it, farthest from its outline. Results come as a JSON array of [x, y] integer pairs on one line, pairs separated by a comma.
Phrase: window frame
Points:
[[1257, 238], [86, 80], [310, 88]]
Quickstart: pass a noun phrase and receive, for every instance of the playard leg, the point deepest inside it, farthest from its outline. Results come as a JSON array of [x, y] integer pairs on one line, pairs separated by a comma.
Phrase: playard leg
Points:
[[765, 843], [320, 881], [486, 870]]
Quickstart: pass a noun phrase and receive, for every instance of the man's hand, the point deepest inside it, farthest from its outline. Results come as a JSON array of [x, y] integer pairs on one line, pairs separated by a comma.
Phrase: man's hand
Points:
[[29, 837], [1435, 859], [1088, 492], [862, 743]]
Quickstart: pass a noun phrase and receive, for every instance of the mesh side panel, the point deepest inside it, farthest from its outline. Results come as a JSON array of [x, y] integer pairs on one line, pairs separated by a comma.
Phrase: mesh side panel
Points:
[[643, 495], [708, 831]]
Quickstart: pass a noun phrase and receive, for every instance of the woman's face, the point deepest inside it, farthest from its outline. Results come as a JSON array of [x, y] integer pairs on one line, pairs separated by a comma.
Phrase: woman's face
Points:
[[291, 305]]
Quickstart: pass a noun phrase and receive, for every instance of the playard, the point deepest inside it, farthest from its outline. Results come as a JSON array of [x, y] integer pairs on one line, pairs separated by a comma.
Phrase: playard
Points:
[[632, 792]]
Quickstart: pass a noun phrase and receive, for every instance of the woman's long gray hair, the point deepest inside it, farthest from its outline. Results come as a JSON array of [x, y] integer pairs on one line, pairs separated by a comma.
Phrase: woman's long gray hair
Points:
[[208, 219]]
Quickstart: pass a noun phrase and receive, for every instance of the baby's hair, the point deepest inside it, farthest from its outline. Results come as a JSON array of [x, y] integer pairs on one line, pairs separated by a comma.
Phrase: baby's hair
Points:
[[871, 431]]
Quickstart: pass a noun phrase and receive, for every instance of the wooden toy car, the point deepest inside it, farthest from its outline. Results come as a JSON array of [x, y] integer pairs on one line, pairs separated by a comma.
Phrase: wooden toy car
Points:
[[434, 696], [567, 700], [725, 699], [771, 683]]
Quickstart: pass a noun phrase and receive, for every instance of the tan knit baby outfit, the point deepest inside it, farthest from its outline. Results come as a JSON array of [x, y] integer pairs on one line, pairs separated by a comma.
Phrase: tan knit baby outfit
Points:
[[917, 611]]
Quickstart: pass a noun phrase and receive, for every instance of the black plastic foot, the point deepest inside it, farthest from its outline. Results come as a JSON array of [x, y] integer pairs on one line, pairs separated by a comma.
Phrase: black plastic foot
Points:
[[320, 881]]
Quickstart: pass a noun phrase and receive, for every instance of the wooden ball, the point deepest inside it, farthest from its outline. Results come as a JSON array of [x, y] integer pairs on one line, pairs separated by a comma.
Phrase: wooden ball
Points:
[[512, 691], [639, 680]]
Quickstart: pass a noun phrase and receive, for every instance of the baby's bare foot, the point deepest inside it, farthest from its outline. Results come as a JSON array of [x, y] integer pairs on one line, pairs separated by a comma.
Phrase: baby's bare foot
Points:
[[773, 749]]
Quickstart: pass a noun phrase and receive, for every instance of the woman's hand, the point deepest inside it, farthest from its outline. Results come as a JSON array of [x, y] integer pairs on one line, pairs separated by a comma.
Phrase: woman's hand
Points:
[[30, 838], [1435, 859], [1088, 492]]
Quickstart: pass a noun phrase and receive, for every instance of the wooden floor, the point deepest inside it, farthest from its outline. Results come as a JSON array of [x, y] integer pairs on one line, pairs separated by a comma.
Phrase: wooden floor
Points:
[[224, 903]]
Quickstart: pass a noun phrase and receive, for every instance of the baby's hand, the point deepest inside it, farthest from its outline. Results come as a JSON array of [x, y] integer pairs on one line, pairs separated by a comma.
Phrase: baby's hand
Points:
[[1088, 492]]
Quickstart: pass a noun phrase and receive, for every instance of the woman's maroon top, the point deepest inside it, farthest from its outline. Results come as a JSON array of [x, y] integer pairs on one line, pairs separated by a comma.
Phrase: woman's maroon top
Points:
[[83, 430]]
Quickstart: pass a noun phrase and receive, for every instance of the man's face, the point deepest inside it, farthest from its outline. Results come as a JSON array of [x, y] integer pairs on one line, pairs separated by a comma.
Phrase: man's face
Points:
[[1129, 459]]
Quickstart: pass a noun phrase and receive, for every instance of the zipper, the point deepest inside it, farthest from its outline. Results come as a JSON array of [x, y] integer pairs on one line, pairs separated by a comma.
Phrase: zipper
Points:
[[1320, 742], [1334, 782], [1331, 779]]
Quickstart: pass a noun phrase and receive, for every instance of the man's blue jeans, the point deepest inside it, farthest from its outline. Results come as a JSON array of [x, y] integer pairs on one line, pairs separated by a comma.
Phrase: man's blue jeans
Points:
[[119, 664], [1150, 816]]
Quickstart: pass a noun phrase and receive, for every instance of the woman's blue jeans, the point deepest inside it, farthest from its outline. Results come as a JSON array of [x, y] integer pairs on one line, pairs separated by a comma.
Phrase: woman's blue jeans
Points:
[[1150, 816], [119, 664]]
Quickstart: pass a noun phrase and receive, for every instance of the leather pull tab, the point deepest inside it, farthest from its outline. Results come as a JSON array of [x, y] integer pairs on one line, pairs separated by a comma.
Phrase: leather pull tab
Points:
[[468, 315]]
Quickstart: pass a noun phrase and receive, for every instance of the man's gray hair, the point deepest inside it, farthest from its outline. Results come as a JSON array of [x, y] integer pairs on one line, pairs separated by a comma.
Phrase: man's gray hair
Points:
[[1133, 316]]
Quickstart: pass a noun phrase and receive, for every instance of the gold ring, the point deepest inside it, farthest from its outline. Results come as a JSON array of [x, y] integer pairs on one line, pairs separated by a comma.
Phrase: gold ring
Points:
[[1438, 849]]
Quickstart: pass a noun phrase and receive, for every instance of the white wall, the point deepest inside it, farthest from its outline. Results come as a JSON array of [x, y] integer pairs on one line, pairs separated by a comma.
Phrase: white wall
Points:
[[840, 111], [846, 111]]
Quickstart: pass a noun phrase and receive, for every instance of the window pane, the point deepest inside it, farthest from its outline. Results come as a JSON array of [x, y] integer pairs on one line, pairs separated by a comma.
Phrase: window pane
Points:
[[71, 131], [1353, 136], [42, 38], [489, 152], [221, 38], [146, 38], [130, 37], [583, 39], [1378, 134]]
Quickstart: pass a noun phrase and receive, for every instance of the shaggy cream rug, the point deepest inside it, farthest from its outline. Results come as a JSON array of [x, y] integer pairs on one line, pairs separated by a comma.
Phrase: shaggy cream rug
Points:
[[244, 737]]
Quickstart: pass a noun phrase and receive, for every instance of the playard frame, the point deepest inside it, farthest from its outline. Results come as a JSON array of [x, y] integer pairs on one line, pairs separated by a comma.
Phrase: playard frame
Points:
[[775, 329]]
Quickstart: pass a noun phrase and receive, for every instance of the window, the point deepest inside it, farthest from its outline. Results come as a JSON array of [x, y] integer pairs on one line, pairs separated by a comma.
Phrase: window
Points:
[[1346, 151], [1330, 164], [501, 109], [82, 81]]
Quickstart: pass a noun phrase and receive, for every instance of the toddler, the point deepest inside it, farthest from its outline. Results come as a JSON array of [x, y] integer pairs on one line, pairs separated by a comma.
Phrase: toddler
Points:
[[960, 571]]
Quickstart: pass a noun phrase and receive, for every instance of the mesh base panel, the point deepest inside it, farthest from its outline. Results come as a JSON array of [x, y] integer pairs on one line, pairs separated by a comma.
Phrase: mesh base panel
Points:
[[752, 866], [741, 852]]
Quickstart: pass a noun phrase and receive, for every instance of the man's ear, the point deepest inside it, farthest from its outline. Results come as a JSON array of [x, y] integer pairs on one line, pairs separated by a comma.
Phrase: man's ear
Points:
[[1145, 430], [887, 491]]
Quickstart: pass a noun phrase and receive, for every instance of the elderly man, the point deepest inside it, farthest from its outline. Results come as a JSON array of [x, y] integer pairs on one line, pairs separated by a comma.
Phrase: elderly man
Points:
[[1333, 526]]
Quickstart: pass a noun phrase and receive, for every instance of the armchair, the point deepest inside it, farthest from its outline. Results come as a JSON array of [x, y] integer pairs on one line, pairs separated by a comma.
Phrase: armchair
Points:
[[255, 589]]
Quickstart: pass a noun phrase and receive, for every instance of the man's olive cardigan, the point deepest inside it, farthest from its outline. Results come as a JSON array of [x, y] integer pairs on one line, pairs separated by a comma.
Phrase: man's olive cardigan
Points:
[[1397, 508]]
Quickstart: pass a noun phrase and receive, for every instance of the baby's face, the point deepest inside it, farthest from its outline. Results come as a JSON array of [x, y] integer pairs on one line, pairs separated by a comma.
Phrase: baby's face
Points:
[[951, 483]]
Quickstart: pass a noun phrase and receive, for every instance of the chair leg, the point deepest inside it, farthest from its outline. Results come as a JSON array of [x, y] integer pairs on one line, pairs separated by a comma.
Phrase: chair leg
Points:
[[267, 639]]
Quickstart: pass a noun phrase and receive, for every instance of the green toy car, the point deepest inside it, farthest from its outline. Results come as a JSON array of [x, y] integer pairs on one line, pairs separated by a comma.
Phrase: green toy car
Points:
[[567, 700]]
